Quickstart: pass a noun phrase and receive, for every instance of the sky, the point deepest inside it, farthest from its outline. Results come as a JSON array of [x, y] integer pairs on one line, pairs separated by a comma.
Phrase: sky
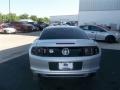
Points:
[[41, 8]]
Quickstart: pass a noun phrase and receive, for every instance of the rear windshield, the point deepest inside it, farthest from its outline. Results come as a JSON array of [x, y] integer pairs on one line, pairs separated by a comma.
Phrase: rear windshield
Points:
[[63, 33]]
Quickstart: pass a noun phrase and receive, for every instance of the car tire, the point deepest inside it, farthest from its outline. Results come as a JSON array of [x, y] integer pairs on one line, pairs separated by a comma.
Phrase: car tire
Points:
[[35, 76], [5, 32], [92, 76], [25, 31], [38, 77], [110, 39], [42, 82], [14, 32]]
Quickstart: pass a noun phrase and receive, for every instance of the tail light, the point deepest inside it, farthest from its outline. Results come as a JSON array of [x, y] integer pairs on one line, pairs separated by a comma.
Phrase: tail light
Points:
[[89, 51], [56, 51], [38, 51]]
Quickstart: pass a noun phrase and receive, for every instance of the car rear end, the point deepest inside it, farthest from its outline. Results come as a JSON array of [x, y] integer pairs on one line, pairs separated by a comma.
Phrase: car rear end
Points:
[[64, 57]]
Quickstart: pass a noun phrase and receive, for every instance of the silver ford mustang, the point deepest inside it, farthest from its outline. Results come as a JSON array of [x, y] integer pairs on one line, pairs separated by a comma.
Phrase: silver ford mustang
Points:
[[64, 51]]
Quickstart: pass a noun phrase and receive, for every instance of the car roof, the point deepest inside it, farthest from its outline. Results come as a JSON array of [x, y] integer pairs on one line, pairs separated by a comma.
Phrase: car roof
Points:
[[93, 25], [60, 27]]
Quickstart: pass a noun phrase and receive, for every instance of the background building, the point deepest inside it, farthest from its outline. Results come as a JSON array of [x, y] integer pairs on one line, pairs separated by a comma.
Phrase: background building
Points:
[[105, 12], [64, 19]]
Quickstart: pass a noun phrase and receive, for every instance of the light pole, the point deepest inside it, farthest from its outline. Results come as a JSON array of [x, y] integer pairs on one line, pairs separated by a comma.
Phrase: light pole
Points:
[[9, 10]]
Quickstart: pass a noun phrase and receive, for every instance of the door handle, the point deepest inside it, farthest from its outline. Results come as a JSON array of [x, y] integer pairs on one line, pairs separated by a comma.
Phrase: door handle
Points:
[[92, 32]]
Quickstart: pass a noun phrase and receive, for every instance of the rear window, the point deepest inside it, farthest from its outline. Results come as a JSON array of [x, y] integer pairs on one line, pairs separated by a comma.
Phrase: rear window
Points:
[[63, 33]]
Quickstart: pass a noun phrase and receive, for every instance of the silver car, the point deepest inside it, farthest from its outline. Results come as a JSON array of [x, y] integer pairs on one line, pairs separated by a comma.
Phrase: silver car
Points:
[[64, 51], [97, 32]]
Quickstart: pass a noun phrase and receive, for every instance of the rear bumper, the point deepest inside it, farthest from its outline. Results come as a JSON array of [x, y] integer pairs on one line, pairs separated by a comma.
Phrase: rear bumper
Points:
[[40, 65], [80, 73]]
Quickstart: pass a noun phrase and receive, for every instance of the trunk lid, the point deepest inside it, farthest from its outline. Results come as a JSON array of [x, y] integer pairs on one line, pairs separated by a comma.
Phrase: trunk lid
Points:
[[65, 43]]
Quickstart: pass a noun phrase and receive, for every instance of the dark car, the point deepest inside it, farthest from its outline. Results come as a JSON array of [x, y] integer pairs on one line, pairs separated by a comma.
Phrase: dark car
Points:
[[36, 25], [22, 27], [42, 25], [33, 24]]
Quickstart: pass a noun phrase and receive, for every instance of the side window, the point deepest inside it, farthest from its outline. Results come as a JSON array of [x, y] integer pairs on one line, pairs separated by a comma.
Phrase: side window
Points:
[[84, 27], [94, 28], [4, 26]]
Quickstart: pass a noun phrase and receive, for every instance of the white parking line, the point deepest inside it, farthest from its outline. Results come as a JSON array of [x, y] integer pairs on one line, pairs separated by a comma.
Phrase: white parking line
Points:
[[13, 57]]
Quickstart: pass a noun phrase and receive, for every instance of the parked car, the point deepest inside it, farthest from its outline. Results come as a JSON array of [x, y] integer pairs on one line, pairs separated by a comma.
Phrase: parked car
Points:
[[31, 22], [6, 28], [30, 25], [59, 24], [22, 27], [9, 30], [98, 32], [64, 51], [36, 25], [42, 25]]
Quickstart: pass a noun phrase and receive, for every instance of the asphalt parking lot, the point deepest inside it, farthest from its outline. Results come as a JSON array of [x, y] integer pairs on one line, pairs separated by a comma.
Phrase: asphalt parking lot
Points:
[[16, 75]]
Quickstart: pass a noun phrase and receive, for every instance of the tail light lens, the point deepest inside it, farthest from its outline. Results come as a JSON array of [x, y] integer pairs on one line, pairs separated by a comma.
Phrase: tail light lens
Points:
[[38, 51], [88, 51]]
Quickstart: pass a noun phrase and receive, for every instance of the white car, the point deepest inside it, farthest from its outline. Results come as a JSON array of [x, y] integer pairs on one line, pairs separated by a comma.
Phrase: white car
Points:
[[97, 32], [6, 28], [9, 30]]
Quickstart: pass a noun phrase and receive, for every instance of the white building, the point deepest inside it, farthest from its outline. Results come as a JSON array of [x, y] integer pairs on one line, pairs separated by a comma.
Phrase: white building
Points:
[[105, 12], [64, 18]]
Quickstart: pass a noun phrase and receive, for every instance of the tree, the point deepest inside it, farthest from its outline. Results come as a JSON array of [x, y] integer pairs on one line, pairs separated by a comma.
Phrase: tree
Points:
[[0, 17], [46, 20], [5, 18], [33, 17], [39, 20], [24, 16], [12, 17]]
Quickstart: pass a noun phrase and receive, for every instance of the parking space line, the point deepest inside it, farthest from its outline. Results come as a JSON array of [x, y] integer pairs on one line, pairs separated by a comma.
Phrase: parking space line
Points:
[[10, 58]]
